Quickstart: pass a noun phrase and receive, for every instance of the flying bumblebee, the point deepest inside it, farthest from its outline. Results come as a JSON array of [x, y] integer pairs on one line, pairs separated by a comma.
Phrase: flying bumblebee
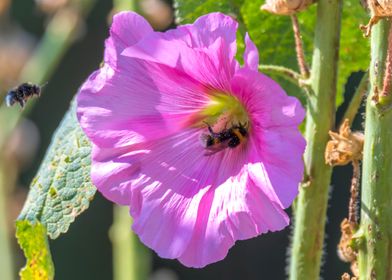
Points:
[[21, 94], [227, 138]]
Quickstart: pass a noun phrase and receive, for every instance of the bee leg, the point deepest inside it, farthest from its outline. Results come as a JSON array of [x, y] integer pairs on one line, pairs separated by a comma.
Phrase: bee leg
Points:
[[210, 130], [21, 103]]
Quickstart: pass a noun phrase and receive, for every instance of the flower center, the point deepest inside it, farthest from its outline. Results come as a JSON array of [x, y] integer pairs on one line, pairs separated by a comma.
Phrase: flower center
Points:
[[224, 111], [226, 121]]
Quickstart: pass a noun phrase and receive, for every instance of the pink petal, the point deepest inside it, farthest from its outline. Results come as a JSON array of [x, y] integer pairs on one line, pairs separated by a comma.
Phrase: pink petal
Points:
[[278, 174], [167, 193], [138, 102], [208, 59], [266, 102], [237, 209], [127, 29], [251, 55]]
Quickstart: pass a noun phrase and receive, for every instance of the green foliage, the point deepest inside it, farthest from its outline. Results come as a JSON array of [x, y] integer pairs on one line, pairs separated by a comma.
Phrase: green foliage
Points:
[[62, 188], [187, 11], [354, 48], [34, 242], [274, 37]]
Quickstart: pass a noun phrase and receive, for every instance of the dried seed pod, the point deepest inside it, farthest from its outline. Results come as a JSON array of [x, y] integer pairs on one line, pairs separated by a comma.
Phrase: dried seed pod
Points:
[[378, 9], [345, 251], [286, 7], [344, 147]]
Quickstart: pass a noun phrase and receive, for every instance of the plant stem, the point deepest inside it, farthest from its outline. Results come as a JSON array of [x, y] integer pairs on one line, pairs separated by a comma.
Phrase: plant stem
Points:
[[357, 98], [310, 213], [131, 260], [6, 263], [375, 234]]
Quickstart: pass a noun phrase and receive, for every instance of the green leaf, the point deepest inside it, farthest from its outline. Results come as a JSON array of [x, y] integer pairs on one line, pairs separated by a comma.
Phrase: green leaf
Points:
[[274, 36], [62, 188], [34, 242]]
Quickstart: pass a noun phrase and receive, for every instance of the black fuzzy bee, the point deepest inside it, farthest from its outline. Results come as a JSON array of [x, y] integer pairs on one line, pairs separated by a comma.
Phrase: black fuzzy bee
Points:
[[227, 138], [21, 94]]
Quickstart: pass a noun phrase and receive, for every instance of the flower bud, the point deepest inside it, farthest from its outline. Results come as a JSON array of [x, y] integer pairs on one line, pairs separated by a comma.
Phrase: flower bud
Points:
[[286, 7]]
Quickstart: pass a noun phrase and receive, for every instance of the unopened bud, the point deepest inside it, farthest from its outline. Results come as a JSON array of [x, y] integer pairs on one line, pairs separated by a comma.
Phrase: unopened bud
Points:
[[286, 7]]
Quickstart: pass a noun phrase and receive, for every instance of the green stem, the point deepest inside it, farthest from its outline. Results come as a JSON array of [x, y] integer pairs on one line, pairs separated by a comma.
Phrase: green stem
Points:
[[375, 250], [6, 263], [357, 98], [310, 213], [131, 260], [286, 73]]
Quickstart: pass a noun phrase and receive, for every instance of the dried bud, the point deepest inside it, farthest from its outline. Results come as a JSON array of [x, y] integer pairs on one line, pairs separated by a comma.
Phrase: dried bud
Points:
[[378, 9], [344, 147], [345, 251], [286, 7], [347, 276]]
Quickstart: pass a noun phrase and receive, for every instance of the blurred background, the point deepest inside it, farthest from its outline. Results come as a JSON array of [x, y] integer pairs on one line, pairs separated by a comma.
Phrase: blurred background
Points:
[[61, 42]]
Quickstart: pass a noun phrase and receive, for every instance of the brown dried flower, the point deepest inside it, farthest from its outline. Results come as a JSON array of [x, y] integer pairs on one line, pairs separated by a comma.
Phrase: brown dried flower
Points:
[[378, 9], [286, 7], [345, 146], [347, 276], [345, 251]]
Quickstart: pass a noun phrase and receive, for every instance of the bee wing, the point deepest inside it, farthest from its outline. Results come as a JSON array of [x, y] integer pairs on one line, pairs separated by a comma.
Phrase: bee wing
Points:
[[9, 100]]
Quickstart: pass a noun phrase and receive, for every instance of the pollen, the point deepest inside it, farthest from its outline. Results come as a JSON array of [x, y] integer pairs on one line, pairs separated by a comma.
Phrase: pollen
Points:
[[224, 110]]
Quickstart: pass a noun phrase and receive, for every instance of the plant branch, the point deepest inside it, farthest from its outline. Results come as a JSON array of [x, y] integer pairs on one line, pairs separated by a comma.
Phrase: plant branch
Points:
[[304, 69], [357, 98], [311, 208], [286, 73]]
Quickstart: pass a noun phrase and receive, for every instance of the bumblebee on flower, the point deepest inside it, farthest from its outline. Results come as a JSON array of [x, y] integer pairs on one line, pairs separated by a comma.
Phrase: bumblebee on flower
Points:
[[145, 112]]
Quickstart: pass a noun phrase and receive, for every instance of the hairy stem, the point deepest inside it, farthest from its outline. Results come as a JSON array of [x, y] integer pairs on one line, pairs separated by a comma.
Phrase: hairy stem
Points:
[[352, 208], [375, 233], [299, 48], [131, 260], [310, 213]]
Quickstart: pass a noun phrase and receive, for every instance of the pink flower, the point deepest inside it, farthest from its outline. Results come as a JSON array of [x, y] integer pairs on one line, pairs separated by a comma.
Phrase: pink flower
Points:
[[147, 110]]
